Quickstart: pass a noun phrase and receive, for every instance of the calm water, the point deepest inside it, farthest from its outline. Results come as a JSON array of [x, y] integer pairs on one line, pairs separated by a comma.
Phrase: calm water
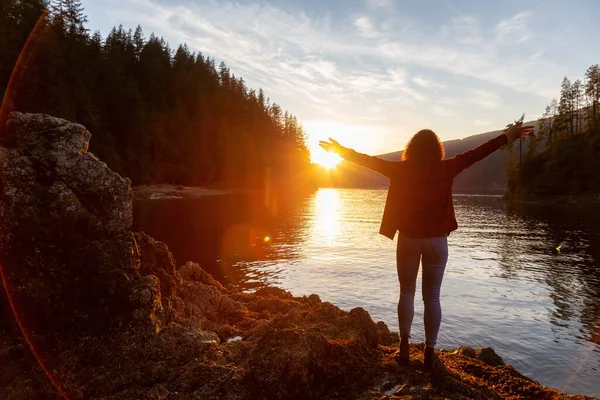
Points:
[[505, 285]]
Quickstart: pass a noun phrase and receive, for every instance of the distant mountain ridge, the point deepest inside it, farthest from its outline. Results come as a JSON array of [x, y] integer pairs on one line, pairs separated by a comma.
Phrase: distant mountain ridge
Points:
[[485, 176]]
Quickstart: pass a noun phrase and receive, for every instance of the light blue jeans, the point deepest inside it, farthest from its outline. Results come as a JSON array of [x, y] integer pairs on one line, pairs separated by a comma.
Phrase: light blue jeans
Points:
[[433, 254]]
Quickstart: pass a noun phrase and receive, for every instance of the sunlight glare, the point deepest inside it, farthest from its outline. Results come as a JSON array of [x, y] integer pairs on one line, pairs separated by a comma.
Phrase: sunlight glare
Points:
[[327, 207], [326, 159], [347, 134]]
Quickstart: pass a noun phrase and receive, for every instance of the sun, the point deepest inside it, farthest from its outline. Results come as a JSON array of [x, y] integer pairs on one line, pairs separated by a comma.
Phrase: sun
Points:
[[325, 159], [349, 135], [323, 130]]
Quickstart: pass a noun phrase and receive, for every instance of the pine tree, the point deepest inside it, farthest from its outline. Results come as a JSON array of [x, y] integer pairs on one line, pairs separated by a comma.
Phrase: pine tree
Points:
[[261, 99], [138, 41], [546, 123], [577, 98], [566, 108], [75, 17], [532, 147], [592, 91], [58, 9]]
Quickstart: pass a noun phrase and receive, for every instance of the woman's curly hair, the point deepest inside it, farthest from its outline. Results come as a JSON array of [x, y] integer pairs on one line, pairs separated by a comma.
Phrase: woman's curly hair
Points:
[[424, 147]]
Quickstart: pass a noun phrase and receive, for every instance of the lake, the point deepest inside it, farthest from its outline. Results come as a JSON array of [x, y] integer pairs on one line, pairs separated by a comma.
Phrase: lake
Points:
[[506, 286]]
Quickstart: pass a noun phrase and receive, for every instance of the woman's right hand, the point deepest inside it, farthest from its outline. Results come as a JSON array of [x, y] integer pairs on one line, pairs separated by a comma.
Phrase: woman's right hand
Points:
[[517, 130]]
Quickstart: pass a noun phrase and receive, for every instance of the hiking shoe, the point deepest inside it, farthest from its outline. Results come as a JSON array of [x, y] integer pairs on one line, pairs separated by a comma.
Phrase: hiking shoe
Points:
[[402, 355], [428, 359]]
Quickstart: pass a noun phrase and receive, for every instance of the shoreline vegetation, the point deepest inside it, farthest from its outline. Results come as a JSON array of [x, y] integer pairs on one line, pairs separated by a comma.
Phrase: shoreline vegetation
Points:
[[112, 315], [560, 161], [555, 200], [168, 191]]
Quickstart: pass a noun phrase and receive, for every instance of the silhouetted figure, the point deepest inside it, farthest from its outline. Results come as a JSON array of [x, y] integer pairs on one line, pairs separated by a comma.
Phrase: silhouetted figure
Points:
[[419, 207]]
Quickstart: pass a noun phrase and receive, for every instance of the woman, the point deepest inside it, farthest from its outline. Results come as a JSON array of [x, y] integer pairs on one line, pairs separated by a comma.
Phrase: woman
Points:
[[419, 207]]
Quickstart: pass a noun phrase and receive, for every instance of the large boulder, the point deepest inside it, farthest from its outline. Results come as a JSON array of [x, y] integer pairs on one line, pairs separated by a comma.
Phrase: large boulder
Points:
[[68, 258], [58, 151]]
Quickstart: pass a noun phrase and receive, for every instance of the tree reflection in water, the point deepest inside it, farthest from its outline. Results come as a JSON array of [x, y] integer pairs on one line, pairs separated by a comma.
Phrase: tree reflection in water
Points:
[[231, 236], [573, 273]]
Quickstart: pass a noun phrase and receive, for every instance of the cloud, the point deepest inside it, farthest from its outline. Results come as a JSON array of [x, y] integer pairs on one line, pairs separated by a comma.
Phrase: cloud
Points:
[[358, 68], [485, 63], [398, 75], [380, 3], [257, 38], [515, 29], [428, 83], [464, 29], [484, 99], [365, 27], [443, 112]]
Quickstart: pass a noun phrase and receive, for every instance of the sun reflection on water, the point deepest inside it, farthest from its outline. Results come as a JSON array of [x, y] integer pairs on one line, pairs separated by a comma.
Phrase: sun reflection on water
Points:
[[327, 213]]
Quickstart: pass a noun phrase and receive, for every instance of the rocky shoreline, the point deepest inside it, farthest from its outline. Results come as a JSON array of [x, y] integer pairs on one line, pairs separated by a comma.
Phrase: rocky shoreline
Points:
[[111, 315], [168, 191]]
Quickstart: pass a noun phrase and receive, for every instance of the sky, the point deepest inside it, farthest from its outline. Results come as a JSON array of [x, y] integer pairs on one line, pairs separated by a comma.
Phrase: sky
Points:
[[371, 73]]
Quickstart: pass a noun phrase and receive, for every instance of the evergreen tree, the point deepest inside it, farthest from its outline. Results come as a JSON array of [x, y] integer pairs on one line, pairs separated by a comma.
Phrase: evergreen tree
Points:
[[58, 9], [74, 17], [532, 147], [546, 123], [577, 98], [138, 41], [592, 91], [155, 115], [566, 108]]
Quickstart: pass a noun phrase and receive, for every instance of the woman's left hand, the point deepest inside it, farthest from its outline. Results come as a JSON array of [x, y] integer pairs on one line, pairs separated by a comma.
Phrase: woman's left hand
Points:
[[332, 146]]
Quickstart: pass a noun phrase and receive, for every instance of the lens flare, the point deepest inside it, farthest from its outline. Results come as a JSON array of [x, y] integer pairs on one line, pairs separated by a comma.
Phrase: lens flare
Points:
[[325, 159], [574, 374], [17, 74]]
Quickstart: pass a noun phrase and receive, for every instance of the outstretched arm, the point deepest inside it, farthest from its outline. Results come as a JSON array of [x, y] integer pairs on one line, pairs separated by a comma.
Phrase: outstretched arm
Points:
[[463, 161], [376, 164]]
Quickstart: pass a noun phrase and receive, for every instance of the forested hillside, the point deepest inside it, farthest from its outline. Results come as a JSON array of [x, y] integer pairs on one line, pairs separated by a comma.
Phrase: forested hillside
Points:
[[157, 114], [566, 158]]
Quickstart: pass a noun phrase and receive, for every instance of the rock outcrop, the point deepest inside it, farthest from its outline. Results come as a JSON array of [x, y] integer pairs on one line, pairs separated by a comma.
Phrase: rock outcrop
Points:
[[107, 313]]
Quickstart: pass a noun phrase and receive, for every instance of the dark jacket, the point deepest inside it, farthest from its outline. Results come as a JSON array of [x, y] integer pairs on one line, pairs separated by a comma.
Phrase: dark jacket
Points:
[[419, 200]]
